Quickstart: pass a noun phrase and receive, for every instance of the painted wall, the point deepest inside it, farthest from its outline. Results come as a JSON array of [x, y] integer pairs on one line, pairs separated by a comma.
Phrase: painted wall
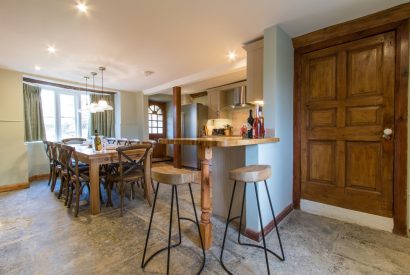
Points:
[[13, 164], [278, 113], [133, 114]]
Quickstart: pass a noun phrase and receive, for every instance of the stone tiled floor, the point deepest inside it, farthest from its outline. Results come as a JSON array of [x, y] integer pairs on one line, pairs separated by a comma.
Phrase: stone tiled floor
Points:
[[38, 235]]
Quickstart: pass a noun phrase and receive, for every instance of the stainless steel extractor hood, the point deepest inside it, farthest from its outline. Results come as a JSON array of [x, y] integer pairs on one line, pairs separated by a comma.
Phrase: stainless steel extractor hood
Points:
[[236, 98]]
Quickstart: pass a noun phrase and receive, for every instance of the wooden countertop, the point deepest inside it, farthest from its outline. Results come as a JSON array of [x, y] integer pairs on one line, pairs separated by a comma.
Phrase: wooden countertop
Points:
[[218, 141]]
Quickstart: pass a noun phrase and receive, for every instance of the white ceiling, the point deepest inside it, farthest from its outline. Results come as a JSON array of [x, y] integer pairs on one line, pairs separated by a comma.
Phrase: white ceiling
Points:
[[182, 41]]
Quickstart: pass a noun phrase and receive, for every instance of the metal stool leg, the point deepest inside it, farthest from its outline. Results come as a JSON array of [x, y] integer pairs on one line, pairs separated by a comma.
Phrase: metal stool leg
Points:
[[149, 227], [179, 219], [199, 231], [228, 220], [170, 228], [240, 220], [276, 224], [260, 221]]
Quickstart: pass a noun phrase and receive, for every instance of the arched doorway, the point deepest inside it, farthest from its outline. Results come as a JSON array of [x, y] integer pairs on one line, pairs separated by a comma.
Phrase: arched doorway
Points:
[[157, 126]]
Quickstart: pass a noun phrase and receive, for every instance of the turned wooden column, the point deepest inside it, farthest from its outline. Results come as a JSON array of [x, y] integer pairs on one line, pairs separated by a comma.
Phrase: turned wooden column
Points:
[[176, 108], [205, 156]]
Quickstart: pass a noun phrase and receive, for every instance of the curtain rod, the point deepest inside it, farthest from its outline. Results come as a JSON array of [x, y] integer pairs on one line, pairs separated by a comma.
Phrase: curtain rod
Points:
[[36, 81]]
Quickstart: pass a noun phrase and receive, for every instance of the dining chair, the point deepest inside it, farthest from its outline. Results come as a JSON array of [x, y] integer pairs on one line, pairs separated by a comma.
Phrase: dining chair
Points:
[[59, 169], [122, 141], [75, 140], [77, 179], [48, 149], [129, 170], [134, 141], [111, 140]]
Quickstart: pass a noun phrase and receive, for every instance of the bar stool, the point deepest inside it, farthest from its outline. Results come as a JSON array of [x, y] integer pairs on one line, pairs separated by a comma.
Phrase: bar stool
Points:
[[174, 177], [249, 174]]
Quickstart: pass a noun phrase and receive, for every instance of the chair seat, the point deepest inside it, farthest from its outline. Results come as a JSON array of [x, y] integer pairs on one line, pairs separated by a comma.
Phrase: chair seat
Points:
[[172, 175], [251, 173], [132, 176]]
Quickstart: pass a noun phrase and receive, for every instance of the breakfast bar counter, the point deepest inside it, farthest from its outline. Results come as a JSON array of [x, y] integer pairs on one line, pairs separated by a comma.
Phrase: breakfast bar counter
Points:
[[205, 145]]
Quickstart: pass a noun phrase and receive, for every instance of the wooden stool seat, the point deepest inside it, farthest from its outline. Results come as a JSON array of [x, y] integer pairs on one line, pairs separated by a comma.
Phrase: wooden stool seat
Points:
[[251, 173], [171, 175]]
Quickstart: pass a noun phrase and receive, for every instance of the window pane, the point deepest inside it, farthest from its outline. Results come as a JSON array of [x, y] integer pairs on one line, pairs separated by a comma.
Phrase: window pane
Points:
[[154, 124], [154, 130], [160, 112], [160, 118], [48, 105], [149, 123], [85, 116], [154, 117], [67, 110], [159, 130], [160, 124]]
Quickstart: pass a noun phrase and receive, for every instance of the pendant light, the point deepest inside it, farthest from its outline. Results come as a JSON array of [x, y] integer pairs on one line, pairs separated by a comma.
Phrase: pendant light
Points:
[[86, 109], [102, 103], [94, 108]]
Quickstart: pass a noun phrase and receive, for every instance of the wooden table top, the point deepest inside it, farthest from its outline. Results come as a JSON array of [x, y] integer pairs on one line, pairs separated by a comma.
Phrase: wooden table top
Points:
[[218, 141], [85, 151]]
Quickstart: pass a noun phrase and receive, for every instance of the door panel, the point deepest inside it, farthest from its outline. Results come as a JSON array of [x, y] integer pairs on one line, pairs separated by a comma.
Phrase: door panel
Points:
[[347, 101]]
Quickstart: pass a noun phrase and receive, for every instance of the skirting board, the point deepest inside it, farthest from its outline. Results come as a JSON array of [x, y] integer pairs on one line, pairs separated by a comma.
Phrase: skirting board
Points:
[[257, 236], [13, 187], [347, 215], [38, 177]]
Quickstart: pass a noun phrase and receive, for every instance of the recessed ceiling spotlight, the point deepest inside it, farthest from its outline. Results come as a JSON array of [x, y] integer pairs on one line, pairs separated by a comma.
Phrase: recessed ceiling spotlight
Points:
[[232, 56], [51, 49], [82, 7], [37, 68]]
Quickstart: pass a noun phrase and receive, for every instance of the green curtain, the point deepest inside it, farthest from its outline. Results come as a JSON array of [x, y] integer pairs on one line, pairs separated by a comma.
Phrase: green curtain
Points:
[[33, 114], [102, 122]]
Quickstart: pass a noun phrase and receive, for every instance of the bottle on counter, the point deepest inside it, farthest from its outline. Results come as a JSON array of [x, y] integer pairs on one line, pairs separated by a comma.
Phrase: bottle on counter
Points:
[[256, 124], [97, 142], [250, 124], [262, 124]]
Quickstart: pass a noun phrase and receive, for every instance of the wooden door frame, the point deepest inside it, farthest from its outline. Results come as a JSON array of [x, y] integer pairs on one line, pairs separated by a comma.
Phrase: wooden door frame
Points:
[[394, 19]]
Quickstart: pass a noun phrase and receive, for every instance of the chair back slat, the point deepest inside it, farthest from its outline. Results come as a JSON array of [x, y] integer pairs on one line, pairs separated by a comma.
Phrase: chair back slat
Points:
[[124, 152], [111, 140], [122, 141]]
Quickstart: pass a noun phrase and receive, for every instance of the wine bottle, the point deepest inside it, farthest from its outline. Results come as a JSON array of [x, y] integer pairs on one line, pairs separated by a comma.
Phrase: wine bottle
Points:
[[250, 124], [262, 124], [97, 142], [256, 125]]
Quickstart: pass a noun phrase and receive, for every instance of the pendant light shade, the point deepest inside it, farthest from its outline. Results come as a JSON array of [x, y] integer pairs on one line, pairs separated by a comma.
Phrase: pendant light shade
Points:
[[94, 107]]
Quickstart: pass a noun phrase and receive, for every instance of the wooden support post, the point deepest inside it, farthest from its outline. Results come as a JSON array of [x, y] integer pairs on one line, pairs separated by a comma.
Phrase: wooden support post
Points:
[[176, 108]]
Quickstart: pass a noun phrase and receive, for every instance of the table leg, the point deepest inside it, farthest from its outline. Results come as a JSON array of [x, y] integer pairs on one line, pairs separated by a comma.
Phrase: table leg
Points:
[[205, 155], [95, 188]]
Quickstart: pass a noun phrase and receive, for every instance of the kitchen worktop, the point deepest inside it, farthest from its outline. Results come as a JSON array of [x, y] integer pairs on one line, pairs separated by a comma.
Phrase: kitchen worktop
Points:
[[214, 141]]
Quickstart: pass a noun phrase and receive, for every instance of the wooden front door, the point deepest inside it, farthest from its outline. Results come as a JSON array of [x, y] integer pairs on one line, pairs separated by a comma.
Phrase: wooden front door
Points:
[[347, 101], [157, 126]]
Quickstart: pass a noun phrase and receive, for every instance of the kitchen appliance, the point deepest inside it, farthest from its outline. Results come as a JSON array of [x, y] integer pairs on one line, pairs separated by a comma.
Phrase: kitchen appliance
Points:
[[194, 117], [236, 98]]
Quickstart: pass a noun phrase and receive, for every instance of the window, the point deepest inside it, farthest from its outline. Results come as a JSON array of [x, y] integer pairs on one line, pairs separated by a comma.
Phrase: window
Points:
[[155, 120], [61, 116]]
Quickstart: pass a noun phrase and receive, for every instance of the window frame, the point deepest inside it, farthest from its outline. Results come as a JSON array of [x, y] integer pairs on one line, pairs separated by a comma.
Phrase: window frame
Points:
[[57, 110]]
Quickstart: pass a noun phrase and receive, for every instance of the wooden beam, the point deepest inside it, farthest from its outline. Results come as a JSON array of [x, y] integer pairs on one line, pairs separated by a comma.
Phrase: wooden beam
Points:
[[176, 108], [201, 94]]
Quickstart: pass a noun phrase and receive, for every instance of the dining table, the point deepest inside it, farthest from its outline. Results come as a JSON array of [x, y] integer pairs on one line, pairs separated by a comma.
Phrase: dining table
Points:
[[205, 145], [109, 155]]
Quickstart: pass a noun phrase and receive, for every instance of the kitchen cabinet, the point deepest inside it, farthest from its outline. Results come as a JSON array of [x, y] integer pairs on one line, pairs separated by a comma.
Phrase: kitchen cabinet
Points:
[[215, 103], [254, 71]]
